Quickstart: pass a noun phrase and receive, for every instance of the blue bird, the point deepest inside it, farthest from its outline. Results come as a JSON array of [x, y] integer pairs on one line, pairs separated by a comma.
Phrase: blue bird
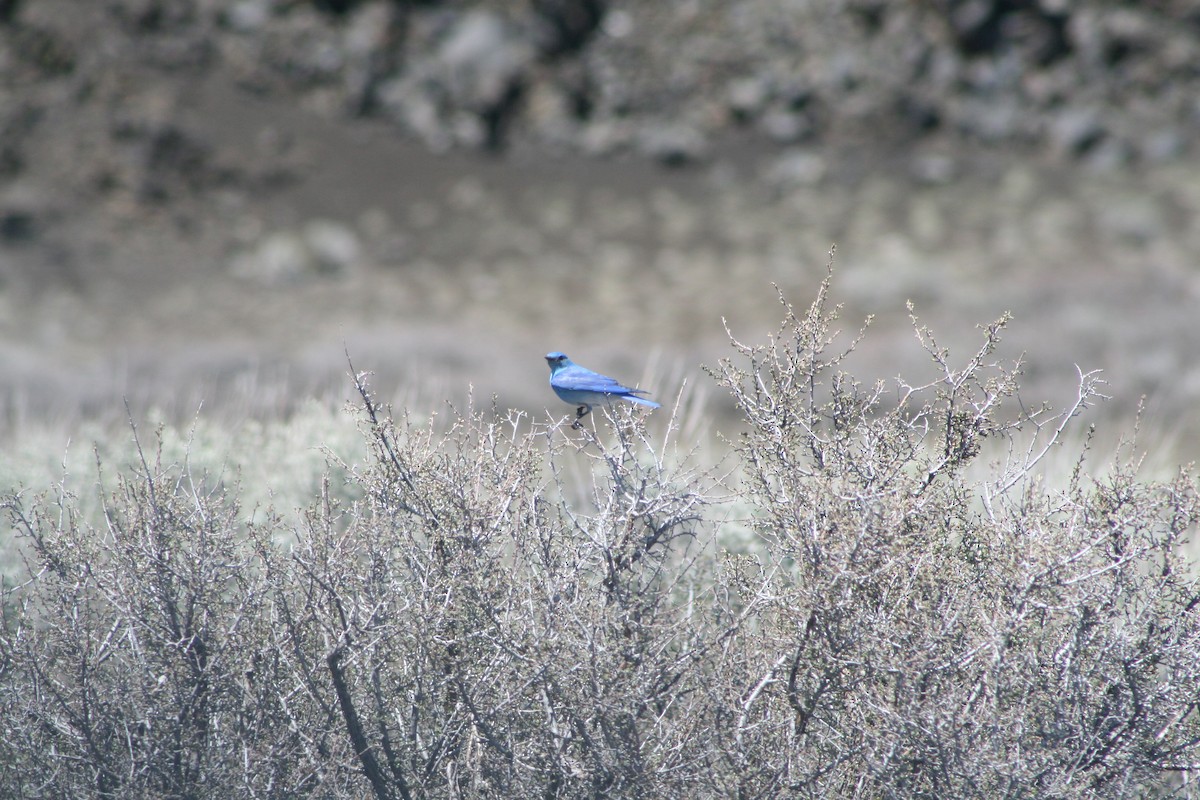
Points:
[[583, 388]]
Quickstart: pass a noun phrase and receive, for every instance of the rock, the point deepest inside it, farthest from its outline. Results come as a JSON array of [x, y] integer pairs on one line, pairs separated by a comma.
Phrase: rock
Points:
[[481, 59], [1134, 218], [604, 137], [969, 19], [1074, 131], [933, 169], [334, 247], [281, 257], [786, 126], [748, 97], [416, 106], [797, 168], [1109, 155], [672, 144], [549, 110], [477, 69], [994, 120], [1163, 145], [368, 31], [618, 23], [248, 16], [321, 247]]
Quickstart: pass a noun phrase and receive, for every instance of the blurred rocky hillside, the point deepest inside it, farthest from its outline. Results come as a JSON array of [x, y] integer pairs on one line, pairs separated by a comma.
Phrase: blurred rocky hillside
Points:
[[243, 174], [93, 93]]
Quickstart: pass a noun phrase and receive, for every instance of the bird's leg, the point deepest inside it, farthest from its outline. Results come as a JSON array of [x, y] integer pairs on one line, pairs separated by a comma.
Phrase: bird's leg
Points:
[[580, 413]]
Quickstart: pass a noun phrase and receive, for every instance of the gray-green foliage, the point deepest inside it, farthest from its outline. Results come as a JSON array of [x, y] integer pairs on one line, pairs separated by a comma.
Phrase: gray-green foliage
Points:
[[493, 608]]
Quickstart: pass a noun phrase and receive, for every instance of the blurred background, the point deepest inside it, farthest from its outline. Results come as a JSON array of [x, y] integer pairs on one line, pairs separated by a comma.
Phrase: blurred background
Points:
[[204, 205]]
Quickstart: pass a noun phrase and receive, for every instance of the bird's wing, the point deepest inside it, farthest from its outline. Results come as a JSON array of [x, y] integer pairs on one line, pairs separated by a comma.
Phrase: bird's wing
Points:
[[584, 380]]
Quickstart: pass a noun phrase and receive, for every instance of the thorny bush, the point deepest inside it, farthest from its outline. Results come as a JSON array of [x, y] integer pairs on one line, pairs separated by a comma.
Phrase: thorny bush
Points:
[[857, 607]]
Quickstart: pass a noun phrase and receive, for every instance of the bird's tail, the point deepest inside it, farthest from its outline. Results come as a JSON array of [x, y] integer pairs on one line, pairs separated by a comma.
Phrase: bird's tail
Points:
[[642, 401]]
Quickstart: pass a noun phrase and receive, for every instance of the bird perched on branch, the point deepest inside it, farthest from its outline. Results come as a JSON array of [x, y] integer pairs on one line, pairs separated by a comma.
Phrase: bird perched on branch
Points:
[[583, 388]]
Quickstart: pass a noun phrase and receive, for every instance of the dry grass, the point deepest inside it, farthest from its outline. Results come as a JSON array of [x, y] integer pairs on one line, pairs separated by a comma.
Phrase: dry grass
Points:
[[863, 591]]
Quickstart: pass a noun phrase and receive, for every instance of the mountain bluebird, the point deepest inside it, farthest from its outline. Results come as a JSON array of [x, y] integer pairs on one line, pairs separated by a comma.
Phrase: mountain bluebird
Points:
[[584, 388]]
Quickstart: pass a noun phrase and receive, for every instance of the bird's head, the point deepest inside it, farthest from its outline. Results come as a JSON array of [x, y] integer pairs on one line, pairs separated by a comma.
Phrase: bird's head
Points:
[[557, 359]]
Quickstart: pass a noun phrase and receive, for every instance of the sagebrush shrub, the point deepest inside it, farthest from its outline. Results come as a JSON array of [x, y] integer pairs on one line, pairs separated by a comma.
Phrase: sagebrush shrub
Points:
[[924, 634], [493, 607]]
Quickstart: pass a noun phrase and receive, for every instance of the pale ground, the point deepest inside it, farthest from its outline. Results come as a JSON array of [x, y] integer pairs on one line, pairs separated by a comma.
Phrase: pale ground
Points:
[[471, 268]]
